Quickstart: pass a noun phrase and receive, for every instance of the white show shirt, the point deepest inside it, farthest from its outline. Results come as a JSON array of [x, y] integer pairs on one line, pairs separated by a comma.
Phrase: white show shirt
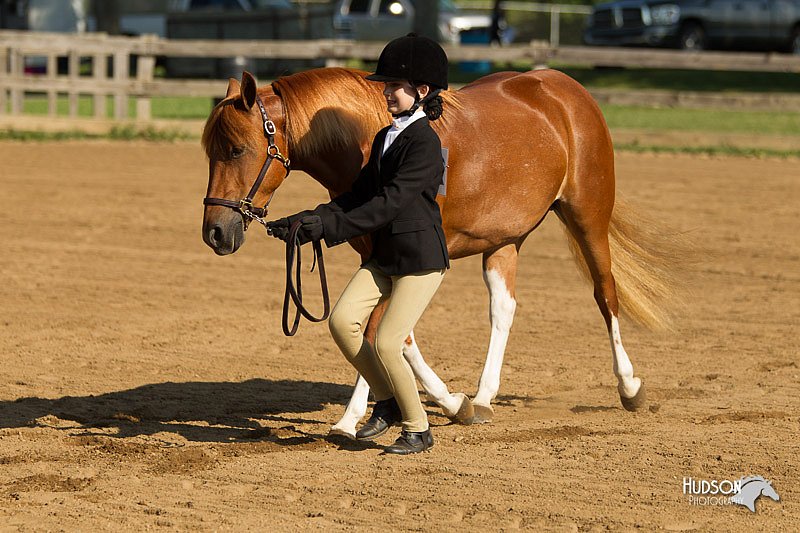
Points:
[[398, 125]]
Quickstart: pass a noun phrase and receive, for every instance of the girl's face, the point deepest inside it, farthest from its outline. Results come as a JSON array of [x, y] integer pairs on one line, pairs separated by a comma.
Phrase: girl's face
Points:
[[400, 95]]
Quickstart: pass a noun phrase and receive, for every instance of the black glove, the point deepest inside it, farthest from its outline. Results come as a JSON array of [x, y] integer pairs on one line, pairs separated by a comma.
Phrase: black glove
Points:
[[311, 229], [280, 228]]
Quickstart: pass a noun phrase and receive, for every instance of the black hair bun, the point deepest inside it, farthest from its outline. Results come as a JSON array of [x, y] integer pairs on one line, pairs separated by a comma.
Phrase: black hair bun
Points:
[[433, 107]]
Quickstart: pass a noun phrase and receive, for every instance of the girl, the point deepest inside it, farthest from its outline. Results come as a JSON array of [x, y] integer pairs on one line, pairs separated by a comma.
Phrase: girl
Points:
[[394, 200]]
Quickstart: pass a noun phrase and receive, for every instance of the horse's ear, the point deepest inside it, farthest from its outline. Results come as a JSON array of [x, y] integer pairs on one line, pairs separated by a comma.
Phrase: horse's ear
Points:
[[248, 89], [233, 88]]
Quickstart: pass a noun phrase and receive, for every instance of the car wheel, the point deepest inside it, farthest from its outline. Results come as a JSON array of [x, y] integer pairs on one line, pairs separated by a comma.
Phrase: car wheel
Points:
[[693, 37]]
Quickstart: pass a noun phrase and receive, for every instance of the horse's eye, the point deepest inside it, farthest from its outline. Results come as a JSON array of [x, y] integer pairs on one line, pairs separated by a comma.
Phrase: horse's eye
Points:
[[237, 152]]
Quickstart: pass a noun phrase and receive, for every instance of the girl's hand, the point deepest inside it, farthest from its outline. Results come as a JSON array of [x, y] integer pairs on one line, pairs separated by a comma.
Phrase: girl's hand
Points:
[[311, 229], [279, 228]]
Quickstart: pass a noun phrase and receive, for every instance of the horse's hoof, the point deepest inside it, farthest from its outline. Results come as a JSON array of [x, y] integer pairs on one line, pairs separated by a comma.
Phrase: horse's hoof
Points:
[[341, 432], [483, 414], [637, 402], [466, 412]]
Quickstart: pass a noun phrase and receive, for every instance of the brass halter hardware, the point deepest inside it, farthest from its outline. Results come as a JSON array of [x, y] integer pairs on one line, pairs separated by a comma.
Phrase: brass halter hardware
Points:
[[245, 205]]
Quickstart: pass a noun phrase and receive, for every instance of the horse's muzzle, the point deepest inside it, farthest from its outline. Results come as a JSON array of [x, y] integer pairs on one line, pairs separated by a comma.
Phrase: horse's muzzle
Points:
[[224, 234]]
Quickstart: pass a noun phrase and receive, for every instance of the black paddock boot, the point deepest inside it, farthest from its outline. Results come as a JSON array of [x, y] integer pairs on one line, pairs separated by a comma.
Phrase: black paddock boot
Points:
[[385, 414], [410, 442]]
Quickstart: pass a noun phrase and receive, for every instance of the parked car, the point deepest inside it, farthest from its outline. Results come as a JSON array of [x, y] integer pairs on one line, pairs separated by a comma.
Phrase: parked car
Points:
[[380, 20], [697, 24], [244, 19]]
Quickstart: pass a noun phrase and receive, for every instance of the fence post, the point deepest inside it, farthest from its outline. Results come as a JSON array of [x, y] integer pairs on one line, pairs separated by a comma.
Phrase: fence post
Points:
[[120, 92], [52, 95], [16, 70], [99, 67], [145, 68], [555, 25], [73, 71], [3, 76]]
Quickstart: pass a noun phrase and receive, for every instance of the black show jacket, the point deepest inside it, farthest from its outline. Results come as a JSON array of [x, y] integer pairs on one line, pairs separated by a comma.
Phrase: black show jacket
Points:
[[394, 200]]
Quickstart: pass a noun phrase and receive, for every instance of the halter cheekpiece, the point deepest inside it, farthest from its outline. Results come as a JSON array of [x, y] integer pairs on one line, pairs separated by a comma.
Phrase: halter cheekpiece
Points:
[[245, 205]]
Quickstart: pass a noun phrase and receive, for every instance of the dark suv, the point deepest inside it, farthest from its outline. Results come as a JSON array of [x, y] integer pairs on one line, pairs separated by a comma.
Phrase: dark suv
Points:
[[697, 24]]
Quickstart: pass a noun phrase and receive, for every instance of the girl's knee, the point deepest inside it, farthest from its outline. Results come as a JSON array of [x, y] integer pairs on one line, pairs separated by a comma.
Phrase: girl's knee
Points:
[[343, 324], [388, 345]]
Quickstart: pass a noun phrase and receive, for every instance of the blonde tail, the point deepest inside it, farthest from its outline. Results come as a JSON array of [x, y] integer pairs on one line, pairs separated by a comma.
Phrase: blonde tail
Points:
[[647, 262]]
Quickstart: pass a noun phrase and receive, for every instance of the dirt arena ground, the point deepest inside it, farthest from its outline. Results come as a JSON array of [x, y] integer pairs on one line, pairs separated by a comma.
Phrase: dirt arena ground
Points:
[[146, 384]]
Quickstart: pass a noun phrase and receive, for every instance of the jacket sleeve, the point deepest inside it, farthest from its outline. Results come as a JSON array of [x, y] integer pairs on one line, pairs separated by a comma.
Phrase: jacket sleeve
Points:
[[415, 173]]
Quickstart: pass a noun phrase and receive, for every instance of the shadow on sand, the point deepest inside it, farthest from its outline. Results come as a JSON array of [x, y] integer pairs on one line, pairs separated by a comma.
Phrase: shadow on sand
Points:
[[197, 411]]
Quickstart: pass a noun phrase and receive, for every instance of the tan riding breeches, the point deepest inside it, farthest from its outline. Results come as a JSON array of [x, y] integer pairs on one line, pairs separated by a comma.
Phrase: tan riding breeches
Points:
[[384, 366]]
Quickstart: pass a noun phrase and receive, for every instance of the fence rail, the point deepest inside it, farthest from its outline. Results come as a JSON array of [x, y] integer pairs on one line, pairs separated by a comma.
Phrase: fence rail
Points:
[[88, 58]]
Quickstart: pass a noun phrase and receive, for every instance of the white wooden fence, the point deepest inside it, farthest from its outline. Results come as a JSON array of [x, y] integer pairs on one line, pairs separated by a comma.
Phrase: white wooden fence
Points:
[[89, 55]]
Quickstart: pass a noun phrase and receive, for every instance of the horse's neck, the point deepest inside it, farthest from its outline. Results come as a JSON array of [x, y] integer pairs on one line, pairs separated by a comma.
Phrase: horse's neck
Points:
[[336, 117], [335, 176], [335, 169]]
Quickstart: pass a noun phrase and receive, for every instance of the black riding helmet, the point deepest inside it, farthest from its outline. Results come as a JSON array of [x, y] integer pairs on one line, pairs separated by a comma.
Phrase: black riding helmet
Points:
[[412, 58]]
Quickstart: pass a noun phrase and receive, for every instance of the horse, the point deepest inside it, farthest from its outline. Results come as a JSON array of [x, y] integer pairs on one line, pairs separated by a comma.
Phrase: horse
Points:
[[520, 145], [753, 487]]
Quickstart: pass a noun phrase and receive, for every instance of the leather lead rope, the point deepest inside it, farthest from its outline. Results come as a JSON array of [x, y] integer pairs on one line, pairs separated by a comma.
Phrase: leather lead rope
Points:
[[294, 290]]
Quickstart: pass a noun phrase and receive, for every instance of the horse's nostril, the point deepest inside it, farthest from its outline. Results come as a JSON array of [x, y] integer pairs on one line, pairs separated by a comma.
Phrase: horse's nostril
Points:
[[216, 235]]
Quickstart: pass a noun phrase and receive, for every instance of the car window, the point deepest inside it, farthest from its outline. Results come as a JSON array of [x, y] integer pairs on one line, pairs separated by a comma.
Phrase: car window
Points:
[[359, 6], [391, 7]]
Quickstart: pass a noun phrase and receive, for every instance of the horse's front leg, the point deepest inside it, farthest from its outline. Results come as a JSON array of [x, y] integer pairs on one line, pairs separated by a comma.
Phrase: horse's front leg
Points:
[[499, 274], [355, 410], [456, 407]]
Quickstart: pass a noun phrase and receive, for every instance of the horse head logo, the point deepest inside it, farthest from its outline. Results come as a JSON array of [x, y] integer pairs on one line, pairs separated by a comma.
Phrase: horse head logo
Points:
[[752, 487]]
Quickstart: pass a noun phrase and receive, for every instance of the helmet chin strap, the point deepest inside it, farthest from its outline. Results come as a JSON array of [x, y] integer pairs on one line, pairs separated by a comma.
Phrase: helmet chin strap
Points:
[[417, 102]]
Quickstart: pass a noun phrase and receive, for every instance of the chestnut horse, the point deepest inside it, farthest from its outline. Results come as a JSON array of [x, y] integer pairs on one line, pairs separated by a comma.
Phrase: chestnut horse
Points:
[[520, 146]]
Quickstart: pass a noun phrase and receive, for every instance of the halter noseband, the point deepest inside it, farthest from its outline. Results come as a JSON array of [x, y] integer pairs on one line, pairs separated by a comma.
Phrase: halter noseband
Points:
[[245, 205]]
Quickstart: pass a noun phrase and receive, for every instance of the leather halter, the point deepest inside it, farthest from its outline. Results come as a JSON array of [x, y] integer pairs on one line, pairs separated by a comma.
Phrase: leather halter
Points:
[[294, 292], [245, 205]]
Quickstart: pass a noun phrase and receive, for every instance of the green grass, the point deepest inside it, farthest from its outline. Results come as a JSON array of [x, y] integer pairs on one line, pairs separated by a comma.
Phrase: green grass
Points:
[[119, 133], [685, 80], [723, 150], [618, 117], [178, 108], [709, 120], [661, 79]]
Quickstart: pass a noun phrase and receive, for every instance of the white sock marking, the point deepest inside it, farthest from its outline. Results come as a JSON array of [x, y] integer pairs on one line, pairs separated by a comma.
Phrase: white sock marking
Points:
[[355, 411], [628, 385], [501, 315], [434, 387]]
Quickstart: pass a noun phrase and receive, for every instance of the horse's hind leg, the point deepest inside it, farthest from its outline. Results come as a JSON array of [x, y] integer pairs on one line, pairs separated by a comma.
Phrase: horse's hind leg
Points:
[[590, 231], [499, 274], [456, 407]]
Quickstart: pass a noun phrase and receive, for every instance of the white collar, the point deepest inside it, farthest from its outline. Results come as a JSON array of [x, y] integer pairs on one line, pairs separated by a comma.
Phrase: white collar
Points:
[[401, 123]]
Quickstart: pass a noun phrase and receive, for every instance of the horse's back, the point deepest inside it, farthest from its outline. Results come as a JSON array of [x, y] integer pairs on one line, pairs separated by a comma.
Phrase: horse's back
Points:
[[518, 140], [534, 87]]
